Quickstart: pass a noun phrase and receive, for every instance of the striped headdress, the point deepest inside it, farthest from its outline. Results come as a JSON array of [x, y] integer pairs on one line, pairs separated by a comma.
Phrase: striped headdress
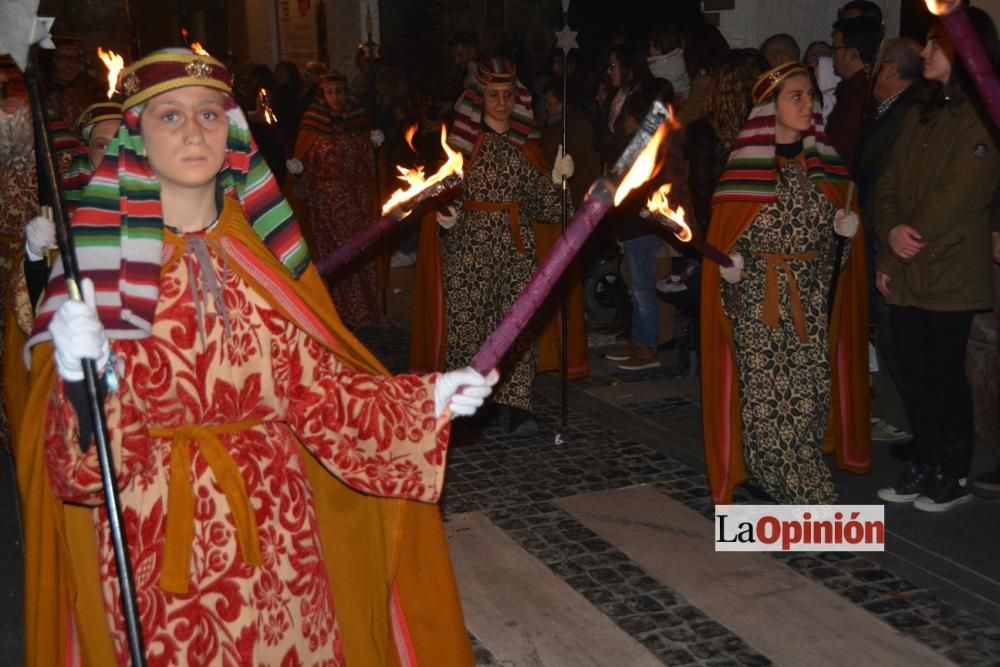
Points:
[[323, 121], [469, 108], [751, 173], [118, 226], [80, 168]]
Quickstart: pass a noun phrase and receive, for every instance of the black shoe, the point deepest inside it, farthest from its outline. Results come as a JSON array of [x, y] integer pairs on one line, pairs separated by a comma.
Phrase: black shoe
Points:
[[948, 492], [522, 423], [987, 484], [915, 481]]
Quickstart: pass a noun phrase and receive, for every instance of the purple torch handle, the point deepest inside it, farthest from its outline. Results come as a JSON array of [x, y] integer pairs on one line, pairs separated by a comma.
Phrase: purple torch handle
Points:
[[709, 251], [350, 248], [545, 278], [966, 42]]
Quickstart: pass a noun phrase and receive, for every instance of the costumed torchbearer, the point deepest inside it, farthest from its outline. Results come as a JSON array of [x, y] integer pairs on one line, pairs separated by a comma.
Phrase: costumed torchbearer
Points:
[[335, 191], [233, 395], [489, 250], [781, 384], [19, 187], [97, 126]]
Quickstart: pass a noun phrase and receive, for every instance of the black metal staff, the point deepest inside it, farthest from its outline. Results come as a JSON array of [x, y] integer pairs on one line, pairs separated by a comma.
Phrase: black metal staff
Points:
[[859, 143], [50, 186], [566, 39]]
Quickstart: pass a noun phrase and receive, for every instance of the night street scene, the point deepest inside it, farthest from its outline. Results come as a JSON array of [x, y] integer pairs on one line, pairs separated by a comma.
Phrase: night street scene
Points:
[[506, 333]]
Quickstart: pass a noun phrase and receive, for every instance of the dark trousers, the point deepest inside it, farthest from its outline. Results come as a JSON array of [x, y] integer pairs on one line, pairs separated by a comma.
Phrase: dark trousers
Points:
[[930, 347]]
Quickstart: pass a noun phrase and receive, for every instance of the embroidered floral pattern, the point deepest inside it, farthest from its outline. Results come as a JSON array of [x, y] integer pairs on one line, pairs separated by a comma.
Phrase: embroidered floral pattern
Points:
[[375, 433]]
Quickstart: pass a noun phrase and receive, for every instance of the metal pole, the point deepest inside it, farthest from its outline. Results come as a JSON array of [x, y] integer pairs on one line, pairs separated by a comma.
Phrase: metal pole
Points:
[[564, 366], [49, 180]]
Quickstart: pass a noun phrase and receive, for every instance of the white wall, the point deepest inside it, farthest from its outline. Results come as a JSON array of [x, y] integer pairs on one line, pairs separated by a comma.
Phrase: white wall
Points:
[[262, 31], [753, 21]]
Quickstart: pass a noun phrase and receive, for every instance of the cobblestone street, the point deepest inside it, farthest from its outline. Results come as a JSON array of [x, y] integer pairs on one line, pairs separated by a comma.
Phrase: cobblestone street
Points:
[[574, 548]]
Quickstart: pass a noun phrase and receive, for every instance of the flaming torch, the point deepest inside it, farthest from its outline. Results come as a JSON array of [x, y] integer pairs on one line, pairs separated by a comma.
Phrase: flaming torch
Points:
[[400, 204], [658, 209], [115, 64], [635, 166], [264, 102], [956, 22], [199, 49]]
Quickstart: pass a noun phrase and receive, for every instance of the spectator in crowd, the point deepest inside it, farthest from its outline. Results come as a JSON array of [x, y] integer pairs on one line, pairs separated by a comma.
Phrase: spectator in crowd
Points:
[[934, 267], [628, 71], [819, 58], [765, 333], [780, 48], [865, 8], [285, 100], [464, 47], [855, 42], [579, 137], [704, 48], [310, 86], [666, 59], [898, 87], [642, 245]]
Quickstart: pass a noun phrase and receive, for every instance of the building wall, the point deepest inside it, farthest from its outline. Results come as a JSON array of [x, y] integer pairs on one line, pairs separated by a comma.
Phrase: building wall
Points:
[[750, 22]]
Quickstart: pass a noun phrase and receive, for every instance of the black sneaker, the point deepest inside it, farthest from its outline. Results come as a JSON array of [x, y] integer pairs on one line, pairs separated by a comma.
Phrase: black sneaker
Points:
[[914, 482], [522, 423], [987, 484], [947, 493]]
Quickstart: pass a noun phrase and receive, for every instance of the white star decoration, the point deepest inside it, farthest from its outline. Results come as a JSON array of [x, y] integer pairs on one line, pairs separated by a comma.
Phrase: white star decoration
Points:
[[20, 27], [566, 39]]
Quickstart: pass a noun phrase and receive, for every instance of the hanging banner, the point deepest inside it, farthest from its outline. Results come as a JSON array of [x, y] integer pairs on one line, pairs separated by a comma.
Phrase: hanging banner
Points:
[[297, 30]]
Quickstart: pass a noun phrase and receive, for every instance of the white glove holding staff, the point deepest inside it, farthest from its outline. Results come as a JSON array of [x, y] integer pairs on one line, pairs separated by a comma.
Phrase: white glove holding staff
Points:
[[563, 167], [78, 334], [463, 391], [39, 237], [845, 223]]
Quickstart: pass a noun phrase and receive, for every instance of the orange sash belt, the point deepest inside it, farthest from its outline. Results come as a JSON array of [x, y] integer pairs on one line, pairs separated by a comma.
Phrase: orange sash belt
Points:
[[513, 211], [776, 262], [175, 575]]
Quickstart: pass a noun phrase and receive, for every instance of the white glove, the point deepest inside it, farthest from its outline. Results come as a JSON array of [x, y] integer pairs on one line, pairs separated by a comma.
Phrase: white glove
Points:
[[39, 237], [845, 223], [447, 220], [733, 274], [563, 167], [294, 166], [78, 334], [463, 391], [378, 138]]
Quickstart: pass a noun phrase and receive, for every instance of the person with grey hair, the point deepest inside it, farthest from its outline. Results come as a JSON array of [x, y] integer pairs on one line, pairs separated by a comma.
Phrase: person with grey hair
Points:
[[780, 48], [898, 86]]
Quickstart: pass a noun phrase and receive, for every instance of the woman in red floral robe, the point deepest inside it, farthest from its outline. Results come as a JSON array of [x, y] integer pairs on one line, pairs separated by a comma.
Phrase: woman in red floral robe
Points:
[[223, 368]]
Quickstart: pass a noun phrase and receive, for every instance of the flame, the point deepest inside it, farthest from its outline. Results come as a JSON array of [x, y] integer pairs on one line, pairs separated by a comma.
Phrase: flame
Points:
[[184, 35], [265, 103], [941, 7], [659, 204], [408, 134], [199, 49], [115, 63], [415, 177], [644, 166]]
